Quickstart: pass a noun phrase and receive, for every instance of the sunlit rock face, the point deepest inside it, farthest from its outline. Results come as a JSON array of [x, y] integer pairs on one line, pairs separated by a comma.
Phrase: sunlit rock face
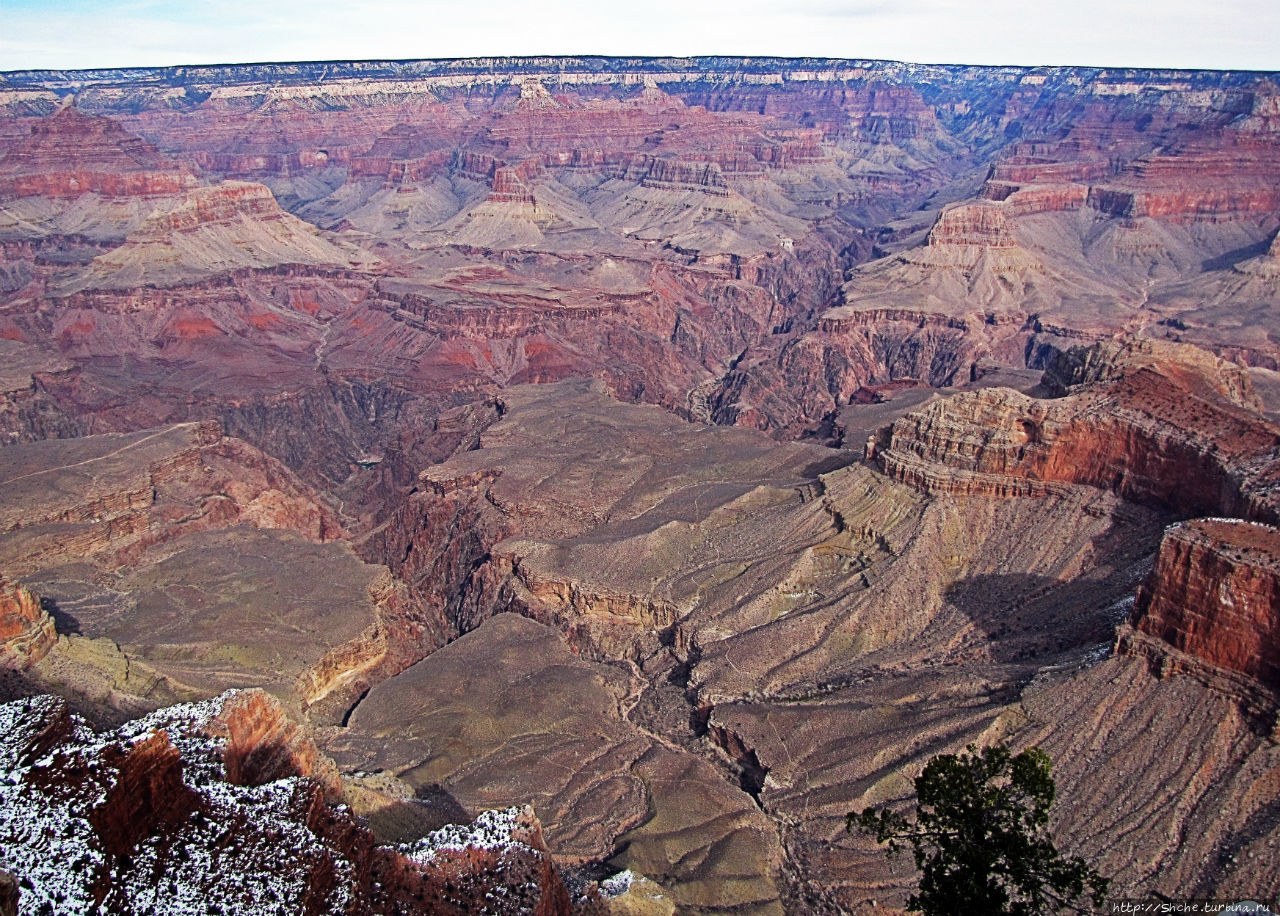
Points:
[[1212, 595]]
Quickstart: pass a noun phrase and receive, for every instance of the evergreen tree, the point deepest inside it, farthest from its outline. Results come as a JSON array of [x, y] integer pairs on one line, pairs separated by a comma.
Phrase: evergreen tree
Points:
[[980, 838]]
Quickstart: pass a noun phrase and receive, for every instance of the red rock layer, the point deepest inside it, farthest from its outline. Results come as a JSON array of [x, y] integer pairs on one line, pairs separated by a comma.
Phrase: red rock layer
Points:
[[1186, 159], [679, 175], [1188, 366], [603, 135], [261, 744], [509, 187], [978, 224], [1144, 437], [1036, 198], [1215, 594], [872, 113], [69, 154], [219, 204], [1200, 183], [26, 631]]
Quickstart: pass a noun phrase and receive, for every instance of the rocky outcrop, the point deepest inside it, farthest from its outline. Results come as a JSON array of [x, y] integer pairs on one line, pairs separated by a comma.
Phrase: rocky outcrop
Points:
[[438, 541], [1025, 200], [1233, 177], [261, 744], [27, 631], [70, 153], [123, 494], [974, 236], [1266, 265], [1214, 594], [1187, 365], [145, 819], [234, 226], [1144, 437], [509, 187], [676, 175], [219, 204], [593, 618], [534, 96], [979, 225]]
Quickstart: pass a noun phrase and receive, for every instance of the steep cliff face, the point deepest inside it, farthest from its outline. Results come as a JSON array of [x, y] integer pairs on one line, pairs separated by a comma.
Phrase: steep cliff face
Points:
[[978, 225], [27, 632], [69, 154], [438, 541], [261, 744], [193, 809], [1144, 437], [1188, 366], [1231, 176], [977, 238], [1215, 594]]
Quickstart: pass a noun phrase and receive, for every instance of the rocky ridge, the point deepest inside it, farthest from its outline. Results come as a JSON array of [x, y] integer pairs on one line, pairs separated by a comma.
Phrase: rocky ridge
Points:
[[167, 813], [1155, 442], [70, 154]]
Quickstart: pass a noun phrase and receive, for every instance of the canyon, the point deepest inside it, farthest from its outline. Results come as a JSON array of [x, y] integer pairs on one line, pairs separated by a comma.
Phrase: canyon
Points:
[[572, 485]]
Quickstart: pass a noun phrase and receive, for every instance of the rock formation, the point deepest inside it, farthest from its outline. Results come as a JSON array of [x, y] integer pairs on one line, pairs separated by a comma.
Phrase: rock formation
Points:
[[209, 231], [146, 818], [1213, 595], [140, 538], [27, 632], [968, 233], [1144, 436], [69, 154]]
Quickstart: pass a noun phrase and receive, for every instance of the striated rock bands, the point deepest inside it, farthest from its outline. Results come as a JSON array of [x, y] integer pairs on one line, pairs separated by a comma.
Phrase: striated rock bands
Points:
[[1144, 437], [1215, 594], [982, 225], [27, 632], [70, 153]]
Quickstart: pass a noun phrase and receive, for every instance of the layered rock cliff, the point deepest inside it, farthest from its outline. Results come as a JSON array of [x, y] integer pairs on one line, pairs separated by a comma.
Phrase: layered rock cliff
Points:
[[70, 153], [1214, 594], [234, 226], [1145, 437], [27, 632]]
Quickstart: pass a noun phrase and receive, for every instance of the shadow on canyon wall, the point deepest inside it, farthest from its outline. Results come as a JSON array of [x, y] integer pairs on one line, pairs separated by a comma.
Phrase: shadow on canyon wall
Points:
[[1028, 617]]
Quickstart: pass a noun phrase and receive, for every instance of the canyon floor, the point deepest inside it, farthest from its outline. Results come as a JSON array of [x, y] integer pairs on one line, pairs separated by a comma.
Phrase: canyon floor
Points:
[[687, 449]]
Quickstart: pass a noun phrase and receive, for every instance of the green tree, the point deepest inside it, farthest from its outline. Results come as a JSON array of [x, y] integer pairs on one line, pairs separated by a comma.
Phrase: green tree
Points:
[[980, 838]]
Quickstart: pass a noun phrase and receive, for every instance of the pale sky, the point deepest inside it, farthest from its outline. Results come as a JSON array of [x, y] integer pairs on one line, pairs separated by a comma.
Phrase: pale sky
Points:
[[67, 34]]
